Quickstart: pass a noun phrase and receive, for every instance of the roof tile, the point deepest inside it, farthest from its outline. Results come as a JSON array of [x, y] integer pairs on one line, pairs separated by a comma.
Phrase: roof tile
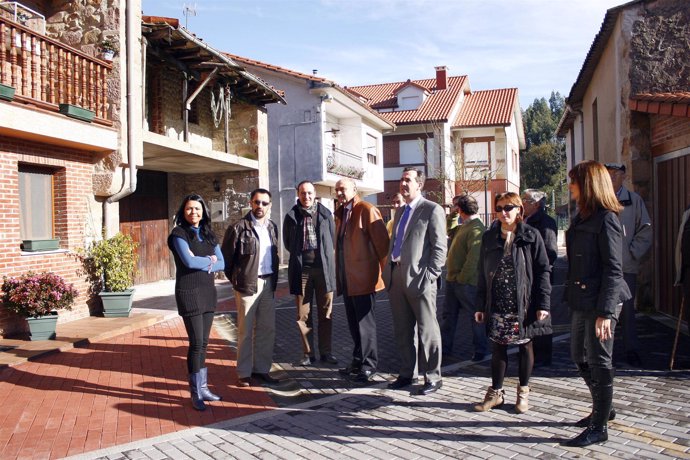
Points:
[[487, 108], [437, 106]]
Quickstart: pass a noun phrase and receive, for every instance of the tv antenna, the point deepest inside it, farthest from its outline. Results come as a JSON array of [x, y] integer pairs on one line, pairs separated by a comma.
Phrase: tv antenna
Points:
[[188, 10]]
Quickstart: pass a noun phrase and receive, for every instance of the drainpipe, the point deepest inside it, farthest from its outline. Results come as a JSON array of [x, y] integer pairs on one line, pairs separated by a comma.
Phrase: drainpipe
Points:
[[130, 45]]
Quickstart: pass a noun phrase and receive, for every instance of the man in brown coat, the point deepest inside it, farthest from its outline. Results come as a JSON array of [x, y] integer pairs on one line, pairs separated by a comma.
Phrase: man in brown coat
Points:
[[360, 253]]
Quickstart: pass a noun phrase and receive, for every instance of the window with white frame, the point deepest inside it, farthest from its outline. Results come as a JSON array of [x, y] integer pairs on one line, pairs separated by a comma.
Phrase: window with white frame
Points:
[[36, 204], [476, 154], [371, 150], [412, 152]]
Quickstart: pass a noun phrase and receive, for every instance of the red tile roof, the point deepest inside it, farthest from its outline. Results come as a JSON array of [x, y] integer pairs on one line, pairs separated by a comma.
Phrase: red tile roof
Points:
[[437, 106], [487, 108], [675, 103], [276, 68]]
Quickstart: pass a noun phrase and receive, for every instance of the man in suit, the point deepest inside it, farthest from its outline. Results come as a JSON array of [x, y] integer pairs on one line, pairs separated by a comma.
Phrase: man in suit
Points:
[[416, 256], [361, 247]]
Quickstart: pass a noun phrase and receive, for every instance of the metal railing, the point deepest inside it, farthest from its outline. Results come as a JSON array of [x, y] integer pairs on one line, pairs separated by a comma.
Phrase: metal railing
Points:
[[344, 163]]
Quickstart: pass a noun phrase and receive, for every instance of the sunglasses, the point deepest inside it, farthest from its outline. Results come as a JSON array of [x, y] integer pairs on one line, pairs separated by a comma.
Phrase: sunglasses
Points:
[[262, 203], [506, 208]]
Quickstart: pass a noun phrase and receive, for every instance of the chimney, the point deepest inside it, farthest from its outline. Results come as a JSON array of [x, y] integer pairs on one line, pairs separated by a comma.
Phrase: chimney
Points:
[[441, 77]]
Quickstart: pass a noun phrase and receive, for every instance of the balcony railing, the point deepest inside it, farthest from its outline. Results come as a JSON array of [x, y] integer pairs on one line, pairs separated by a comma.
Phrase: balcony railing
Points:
[[344, 163], [46, 73]]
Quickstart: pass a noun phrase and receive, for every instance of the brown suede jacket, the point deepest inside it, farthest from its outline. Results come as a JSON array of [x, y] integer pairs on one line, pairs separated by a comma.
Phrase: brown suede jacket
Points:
[[365, 248]]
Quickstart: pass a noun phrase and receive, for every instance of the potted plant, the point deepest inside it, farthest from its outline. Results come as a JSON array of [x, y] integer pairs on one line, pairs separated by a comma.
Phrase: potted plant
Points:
[[37, 297], [111, 265], [108, 48]]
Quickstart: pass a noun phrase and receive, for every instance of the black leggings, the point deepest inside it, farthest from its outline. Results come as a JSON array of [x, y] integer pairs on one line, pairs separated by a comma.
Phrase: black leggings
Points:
[[198, 329], [499, 364]]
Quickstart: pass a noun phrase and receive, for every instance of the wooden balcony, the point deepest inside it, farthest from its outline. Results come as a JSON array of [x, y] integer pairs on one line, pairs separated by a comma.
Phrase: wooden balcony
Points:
[[47, 73]]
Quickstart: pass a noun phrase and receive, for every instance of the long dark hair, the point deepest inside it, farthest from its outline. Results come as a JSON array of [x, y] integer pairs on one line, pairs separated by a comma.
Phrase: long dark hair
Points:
[[596, 189], [205, 230]]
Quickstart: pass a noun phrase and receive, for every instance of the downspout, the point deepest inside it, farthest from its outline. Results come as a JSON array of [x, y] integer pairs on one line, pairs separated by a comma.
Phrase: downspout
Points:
[[130, 45]]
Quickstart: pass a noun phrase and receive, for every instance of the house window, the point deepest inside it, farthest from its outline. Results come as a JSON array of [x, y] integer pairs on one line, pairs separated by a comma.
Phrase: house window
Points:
[[370, 149], [409, 102], [412, 152], [476, 154], [595, 129], [36, 206]]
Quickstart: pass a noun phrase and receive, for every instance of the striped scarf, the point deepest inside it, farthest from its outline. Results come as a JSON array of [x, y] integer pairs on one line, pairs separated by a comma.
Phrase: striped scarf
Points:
[[309, 241]]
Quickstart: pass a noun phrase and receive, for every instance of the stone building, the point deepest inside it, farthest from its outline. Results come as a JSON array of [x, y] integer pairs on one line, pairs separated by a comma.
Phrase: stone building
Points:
[[630, 104], [90, 147]]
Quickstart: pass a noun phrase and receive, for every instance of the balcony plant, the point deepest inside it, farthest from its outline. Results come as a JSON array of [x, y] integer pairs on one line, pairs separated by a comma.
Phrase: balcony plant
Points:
[[111, 265], [37, 297], [108, 48]]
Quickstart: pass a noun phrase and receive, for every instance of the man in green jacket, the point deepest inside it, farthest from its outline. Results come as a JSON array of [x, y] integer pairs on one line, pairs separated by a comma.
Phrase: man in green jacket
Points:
[[461, 278]]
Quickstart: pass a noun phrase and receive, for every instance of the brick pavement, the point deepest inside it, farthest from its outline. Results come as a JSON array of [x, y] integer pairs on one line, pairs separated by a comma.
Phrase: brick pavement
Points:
[[323, 416], [128, 395]]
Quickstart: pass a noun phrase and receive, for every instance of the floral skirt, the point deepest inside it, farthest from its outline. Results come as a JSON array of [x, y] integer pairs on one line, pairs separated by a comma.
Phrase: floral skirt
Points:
[[504, 329]]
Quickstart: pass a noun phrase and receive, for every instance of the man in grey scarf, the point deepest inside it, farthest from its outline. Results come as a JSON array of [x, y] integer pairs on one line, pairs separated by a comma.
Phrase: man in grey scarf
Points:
[[308, 234]]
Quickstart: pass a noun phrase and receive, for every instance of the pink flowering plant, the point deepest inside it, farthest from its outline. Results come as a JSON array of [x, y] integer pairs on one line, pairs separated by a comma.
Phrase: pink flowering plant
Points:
[[33, 295]]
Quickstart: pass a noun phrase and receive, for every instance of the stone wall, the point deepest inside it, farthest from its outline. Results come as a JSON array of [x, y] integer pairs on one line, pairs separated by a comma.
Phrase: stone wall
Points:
[[660, 48], [165, 116]]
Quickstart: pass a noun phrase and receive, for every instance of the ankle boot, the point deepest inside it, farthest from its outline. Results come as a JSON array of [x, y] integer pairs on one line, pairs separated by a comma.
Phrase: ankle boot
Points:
[[493, 398], [602, 396], [206, 394], [194, 389], [522, 403]]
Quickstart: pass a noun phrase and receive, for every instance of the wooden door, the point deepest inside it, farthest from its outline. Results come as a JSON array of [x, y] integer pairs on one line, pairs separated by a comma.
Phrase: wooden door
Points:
[[672, 197], [144, 216]]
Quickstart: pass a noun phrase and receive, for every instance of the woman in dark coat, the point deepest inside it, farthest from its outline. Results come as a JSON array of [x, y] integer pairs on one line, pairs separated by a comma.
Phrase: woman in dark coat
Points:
[[197, 255], [595, 290], [513, 296]]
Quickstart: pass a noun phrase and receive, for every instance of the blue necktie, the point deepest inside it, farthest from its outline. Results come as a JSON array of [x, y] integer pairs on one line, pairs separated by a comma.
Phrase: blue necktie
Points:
[[397, 245]]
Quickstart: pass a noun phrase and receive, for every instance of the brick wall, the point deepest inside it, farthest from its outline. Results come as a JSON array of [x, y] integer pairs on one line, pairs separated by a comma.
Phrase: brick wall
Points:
[[669, 133], [72, 191]]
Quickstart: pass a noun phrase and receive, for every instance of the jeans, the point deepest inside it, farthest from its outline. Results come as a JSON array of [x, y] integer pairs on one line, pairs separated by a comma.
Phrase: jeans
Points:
[[460, 297], [585, 347]]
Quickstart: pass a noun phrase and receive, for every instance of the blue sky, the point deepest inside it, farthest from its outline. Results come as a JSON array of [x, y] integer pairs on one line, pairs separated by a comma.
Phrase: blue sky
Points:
[[534, 45]]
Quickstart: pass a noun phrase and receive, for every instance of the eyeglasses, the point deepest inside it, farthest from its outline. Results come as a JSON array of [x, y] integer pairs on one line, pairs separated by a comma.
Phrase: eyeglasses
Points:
[[262, 203], [506, 208]]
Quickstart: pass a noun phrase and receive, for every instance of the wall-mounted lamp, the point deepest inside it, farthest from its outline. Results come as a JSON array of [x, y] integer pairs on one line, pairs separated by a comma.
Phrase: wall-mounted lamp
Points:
[[216, 185], [326, 98]]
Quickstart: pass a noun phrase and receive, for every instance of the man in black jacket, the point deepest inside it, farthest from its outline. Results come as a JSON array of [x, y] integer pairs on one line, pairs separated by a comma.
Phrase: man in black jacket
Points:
[[534, 202], [309, 233], [250, 248]]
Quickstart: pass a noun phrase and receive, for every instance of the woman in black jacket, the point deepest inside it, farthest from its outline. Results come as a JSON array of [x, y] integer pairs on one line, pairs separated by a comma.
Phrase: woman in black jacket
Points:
[[595, 290], [197, 255], [513, 296]]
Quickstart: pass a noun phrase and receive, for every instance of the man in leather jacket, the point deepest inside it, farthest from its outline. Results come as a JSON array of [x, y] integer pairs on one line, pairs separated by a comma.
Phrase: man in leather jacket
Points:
[[250, 248]]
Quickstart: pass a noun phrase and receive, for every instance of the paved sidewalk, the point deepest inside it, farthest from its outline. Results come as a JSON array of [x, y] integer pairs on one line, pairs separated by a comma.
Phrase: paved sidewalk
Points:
[[653, 422], [126, 397]]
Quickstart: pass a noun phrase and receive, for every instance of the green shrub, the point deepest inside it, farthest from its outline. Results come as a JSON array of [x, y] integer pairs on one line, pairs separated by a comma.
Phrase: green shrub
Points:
[[111, 264]]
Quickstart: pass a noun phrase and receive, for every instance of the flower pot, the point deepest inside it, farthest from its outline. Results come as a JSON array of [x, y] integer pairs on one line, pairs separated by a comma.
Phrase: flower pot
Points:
[[43, 327], [41, 245], [6, 92], [74, 111], [108, 55], [117, 304]]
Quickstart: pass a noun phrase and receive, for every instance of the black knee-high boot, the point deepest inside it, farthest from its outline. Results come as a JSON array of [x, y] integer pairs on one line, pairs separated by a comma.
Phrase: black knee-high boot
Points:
[[602, 397], [586, 374]]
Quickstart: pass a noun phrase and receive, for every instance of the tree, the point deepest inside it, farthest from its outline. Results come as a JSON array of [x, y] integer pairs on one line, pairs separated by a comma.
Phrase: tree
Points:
[[543, 165]]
